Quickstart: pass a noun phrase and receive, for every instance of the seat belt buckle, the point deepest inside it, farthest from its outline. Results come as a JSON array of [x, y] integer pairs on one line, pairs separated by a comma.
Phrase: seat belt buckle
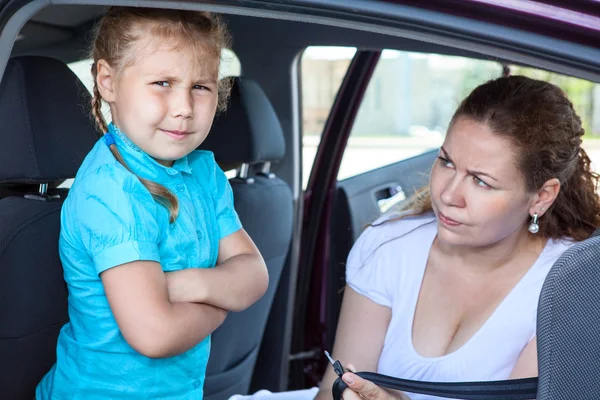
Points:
[[337, 366]]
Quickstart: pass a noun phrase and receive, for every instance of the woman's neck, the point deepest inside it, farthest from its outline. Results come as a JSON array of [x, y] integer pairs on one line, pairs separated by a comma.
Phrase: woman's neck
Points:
[[488, 258]]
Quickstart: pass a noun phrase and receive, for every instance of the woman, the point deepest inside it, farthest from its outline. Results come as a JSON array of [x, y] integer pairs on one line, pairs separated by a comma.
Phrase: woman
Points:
[[448, 289]]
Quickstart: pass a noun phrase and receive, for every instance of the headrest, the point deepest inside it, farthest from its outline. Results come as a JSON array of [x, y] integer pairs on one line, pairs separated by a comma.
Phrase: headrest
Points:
[[46, 130], [248, 132]]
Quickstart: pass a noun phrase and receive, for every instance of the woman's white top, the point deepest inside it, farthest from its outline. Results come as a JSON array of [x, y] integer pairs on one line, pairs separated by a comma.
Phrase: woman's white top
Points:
[[387, 265]]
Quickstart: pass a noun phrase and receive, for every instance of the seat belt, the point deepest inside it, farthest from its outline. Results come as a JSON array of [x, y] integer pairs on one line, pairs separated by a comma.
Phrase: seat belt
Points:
[[512, 389]]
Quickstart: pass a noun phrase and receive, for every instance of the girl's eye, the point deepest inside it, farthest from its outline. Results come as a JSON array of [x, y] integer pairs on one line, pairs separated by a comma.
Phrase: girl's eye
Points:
[[446, 163], [162, 83], [200, 87], [480, 183]]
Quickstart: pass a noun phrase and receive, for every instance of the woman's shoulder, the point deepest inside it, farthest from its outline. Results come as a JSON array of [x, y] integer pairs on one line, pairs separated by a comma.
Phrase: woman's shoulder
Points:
[[405, 224], [378, 258], [556, 247], [396, 229]]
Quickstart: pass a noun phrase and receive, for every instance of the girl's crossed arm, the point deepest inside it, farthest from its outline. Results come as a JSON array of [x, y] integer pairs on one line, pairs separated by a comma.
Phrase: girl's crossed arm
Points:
[[238, 281], [150, 323]]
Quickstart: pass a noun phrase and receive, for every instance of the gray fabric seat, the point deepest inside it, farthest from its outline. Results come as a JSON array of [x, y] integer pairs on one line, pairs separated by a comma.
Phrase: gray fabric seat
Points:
[[569, 325], [249, 136], [44, 137]]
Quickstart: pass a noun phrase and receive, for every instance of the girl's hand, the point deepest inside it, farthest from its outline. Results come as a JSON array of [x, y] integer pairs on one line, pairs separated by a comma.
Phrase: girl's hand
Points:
[[186, 286], [362, 389]]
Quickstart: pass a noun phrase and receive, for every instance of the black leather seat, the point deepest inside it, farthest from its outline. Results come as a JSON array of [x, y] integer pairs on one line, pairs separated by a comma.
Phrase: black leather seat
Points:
[[249, 136], [45, 135]]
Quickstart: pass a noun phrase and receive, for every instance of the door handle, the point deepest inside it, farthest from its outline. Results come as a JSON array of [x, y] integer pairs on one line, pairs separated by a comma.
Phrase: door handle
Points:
[[388, 197]]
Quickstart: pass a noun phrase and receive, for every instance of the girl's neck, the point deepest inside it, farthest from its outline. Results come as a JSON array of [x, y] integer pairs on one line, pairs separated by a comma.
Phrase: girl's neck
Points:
[[165, 163]]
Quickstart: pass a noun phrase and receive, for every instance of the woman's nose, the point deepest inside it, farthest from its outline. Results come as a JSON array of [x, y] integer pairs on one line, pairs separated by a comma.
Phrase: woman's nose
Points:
[[453, 195]]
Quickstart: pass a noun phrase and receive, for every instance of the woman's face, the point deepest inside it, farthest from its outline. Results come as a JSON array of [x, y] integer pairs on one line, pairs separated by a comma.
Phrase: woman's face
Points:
[[477, 192]]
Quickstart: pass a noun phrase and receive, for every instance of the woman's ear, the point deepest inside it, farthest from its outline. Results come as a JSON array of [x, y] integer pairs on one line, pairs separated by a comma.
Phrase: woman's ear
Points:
[[545, 197], [105, 81]]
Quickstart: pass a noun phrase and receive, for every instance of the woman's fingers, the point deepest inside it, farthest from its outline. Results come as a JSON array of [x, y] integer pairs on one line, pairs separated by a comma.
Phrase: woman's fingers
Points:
[[366, 389], [348, 394]]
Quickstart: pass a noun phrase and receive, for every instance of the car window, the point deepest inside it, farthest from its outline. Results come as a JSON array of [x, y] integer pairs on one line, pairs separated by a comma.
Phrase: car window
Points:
[[407, 106], [409, 102], [322, 71]]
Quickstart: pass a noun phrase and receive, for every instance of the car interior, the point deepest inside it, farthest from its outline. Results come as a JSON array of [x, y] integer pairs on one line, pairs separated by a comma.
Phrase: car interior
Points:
[[304, 213]]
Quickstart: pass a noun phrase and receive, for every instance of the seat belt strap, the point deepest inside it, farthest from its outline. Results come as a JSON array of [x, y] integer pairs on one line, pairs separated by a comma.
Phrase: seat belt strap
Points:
[[512, 389]]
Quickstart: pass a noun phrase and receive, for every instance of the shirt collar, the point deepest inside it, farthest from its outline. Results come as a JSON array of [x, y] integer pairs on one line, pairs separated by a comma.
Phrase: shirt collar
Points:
[[141, 158]]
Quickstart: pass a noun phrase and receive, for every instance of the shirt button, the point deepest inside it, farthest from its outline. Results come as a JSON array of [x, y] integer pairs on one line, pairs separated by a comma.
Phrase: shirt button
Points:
[[197, 384], [180, 188], [172, 171]]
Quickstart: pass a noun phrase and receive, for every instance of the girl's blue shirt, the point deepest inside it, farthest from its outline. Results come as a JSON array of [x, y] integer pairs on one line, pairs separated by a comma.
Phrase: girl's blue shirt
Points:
[[109, 218]]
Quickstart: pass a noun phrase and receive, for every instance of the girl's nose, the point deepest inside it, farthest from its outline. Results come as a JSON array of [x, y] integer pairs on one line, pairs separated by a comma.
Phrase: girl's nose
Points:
[[182, 104]]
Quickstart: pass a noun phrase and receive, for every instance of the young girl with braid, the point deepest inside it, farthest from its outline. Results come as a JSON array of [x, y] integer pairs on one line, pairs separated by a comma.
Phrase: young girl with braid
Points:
[[154, 254]]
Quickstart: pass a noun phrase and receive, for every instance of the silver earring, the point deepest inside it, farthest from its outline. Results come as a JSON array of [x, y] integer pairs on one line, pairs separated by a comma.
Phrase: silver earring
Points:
[[534, 227]]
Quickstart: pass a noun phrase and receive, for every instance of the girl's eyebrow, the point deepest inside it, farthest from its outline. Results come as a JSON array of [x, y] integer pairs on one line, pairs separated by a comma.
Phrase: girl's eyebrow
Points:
[[206, 81], [165, 76], [471, 172]]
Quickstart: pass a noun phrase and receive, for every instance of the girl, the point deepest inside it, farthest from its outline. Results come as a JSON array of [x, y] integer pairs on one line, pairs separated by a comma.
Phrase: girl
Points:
[[148, 217]]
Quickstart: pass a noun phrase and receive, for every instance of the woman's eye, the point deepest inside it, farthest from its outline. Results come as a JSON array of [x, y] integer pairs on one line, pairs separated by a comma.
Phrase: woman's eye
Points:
[[446, 163], [162, 83], [480, 183]]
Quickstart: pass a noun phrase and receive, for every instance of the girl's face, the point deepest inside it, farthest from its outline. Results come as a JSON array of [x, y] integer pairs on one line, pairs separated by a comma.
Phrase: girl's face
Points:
[[477, 191], [166, 101]]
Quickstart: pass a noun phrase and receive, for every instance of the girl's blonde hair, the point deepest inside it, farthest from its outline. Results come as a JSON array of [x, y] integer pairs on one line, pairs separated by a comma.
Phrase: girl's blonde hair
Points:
[[113, 41]]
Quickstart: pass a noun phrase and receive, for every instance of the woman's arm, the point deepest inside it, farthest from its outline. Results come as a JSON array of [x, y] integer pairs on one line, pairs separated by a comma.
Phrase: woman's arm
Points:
[[238, 281], [150, 323], [359, 338], [527, 364]]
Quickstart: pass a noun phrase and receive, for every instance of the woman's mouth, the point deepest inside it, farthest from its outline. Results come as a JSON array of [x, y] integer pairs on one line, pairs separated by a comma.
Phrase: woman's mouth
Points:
[[447, 221]]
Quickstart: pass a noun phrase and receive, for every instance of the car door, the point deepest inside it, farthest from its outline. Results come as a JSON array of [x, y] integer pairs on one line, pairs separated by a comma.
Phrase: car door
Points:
[[386, 125]]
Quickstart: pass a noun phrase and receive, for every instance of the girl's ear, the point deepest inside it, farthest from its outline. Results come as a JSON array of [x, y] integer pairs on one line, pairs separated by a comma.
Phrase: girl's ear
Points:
[[105, 81]]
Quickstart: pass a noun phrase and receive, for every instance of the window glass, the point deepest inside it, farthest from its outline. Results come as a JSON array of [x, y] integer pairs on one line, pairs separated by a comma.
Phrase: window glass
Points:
[[409, 102], [407, 106], [322, 69]]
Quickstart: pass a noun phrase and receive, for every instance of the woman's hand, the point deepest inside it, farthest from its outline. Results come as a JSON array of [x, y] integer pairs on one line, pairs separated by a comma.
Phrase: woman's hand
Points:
[[362, 389]]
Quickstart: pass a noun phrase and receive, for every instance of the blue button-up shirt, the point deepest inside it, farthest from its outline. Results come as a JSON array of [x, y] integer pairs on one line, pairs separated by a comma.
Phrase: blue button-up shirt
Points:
[[109, 218]]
